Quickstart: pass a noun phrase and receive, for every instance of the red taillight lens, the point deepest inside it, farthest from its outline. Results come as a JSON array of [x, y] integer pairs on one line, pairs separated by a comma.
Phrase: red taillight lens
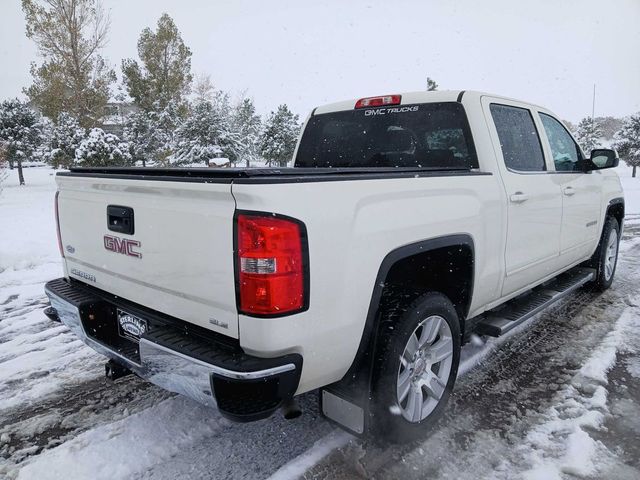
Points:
[[271, 265], [58, 224], [378, 101]]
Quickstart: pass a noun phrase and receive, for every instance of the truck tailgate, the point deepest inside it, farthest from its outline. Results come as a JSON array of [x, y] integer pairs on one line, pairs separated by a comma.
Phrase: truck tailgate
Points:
[[183, 263]]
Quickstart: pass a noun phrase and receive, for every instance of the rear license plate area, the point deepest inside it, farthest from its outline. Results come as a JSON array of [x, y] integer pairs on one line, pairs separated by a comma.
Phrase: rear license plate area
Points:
[[130, 326]]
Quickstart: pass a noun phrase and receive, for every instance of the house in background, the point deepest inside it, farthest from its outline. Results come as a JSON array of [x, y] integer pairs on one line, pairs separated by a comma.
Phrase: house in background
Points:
[[115, 114]]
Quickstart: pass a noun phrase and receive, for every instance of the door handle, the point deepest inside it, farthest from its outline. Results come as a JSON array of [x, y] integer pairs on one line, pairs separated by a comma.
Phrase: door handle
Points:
[[568, 191], [519, 197]]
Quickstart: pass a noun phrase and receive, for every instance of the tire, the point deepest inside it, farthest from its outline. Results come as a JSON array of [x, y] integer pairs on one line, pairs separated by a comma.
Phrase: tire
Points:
[[407, 387], [605, 259]]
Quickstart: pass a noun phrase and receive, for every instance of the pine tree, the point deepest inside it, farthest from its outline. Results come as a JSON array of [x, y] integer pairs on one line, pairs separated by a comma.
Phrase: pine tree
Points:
[[101, 149], [204, 135], [150, 134], [627, 142], [65, 137], [431, 85], [165, 73], [42, 151], [246, 125], [74, 77], [609, 126], [279, 136], [19, 133], [588, 134]]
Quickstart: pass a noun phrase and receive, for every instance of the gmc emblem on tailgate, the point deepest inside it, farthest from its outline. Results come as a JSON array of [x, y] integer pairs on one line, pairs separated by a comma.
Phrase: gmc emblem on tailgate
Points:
[[122, 245]]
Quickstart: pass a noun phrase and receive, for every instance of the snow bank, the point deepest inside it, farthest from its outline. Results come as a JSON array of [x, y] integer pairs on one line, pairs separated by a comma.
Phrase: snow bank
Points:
[[132, 445], [562, 444], [28, 225], [37, 356]]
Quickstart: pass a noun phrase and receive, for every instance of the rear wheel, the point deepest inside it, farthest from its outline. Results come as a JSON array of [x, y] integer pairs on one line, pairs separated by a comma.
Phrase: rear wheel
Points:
[[606, 257], [416, 368]]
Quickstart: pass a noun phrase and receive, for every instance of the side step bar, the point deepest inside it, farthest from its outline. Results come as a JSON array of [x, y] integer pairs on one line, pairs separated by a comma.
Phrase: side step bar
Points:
[[520, 309]]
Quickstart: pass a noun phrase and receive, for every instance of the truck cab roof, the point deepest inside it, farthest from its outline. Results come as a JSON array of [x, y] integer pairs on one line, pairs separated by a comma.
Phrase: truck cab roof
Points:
[[410, 98]]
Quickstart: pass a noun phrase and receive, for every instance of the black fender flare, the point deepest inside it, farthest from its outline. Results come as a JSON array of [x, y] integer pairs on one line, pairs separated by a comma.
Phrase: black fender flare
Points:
[[614, 203], [368, 341]]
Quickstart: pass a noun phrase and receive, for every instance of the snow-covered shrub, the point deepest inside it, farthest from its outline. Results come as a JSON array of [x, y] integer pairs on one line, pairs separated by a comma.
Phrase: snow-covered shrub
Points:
[[101, 149], [65, 137]]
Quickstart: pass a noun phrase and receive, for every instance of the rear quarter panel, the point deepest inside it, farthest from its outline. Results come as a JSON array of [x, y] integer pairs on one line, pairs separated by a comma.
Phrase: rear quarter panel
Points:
[[352, 226]]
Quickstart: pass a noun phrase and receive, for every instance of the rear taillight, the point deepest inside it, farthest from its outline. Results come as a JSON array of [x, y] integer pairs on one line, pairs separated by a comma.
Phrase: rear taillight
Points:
[[378, 101], [272, 265], [58, 224]]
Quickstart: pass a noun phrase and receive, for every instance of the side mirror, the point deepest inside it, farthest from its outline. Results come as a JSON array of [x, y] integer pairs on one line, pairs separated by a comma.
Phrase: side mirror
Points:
[[603, 158]]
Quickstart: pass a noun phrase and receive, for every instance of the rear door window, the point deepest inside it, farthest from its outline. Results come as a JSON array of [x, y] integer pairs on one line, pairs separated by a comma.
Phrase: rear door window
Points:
[[519, 140], [431, 135]]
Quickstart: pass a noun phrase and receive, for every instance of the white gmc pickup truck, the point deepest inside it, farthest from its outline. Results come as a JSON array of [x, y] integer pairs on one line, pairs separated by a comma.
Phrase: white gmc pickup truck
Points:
[[407, 223]]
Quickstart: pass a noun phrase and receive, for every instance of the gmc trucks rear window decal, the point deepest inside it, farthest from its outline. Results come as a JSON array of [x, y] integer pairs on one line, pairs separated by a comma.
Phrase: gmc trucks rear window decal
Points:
[[386, 110], [429, 135]]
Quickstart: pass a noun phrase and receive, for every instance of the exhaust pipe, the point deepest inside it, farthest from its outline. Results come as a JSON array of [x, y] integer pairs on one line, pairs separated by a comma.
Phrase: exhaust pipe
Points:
[[291, 409], [113, 371]]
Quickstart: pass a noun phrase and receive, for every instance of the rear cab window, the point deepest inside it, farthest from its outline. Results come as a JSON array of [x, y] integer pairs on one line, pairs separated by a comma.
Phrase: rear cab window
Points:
[[519, 139], [427, 135]]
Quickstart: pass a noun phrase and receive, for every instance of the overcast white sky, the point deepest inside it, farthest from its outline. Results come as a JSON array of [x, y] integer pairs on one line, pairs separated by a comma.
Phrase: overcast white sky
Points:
[[549, 52]]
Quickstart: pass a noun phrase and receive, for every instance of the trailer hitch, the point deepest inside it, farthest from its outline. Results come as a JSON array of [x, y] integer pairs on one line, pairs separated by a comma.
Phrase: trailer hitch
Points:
[[113, 370]]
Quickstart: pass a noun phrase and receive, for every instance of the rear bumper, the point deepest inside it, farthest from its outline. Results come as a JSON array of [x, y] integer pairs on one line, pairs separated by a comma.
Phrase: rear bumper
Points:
[[176, 358]]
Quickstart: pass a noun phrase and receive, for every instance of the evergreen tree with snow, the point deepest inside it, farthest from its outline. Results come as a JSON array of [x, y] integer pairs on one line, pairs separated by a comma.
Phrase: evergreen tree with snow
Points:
[[42, 151], [204, 135], [627, 142], [279, 136], [19, 133], [150, 133], [65, 137], [588, 134], [609, 126], [101, 149], [246, 125]]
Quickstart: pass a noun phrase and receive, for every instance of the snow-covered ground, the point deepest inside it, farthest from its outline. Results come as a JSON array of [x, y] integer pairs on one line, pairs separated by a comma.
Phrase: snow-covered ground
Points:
[[558, 398]]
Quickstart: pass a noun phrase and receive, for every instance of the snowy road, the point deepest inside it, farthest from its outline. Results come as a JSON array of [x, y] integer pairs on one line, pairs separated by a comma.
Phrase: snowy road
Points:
[[560, 398]]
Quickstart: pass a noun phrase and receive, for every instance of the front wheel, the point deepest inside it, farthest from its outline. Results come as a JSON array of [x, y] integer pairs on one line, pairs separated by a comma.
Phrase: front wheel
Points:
[[606, 257], [416, 368]]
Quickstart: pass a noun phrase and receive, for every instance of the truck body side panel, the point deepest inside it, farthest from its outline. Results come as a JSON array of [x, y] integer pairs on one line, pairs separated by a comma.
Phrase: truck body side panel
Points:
[[352, 226]]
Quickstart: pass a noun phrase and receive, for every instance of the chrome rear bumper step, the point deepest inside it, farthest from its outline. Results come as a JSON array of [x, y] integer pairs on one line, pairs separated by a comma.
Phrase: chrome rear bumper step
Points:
[[520, 309], [243, 387]]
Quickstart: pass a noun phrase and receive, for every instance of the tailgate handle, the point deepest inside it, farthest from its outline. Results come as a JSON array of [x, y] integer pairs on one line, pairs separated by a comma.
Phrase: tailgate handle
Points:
[[120, 219]]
